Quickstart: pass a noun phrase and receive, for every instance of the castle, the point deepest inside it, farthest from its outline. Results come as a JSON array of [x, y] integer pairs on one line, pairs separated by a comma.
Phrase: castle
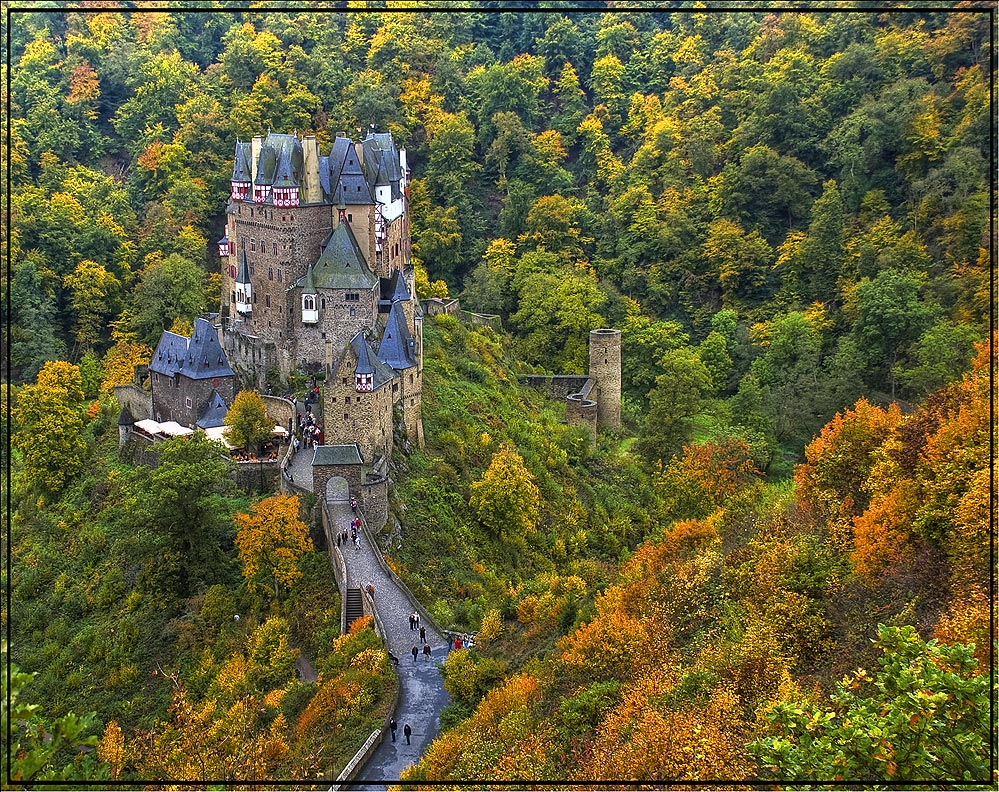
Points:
[[317, 277]]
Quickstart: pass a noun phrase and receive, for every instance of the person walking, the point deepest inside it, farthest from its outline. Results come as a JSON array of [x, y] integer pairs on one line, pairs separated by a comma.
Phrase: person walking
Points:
[[392, 727], [423, 634], [407, 729], [357, 543], [426, 651], [412, 622], [415, 652]]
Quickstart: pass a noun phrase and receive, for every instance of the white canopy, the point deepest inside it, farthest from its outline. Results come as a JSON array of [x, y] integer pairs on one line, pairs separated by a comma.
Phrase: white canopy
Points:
[[280, 430], [217, 433], [172, 428]]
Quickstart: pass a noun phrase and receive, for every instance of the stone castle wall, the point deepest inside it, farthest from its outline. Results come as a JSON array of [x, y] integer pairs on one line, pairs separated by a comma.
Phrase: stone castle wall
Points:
[[138, 401]]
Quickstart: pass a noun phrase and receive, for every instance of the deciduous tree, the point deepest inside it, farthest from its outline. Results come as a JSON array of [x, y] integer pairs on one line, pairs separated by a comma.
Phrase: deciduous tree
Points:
[[271, 540]]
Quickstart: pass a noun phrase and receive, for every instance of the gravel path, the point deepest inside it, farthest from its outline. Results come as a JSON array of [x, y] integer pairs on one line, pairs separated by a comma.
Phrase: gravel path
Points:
[[422, 695]]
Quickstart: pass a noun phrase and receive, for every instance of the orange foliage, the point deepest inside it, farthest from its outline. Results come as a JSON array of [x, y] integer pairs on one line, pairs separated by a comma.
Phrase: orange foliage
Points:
[[840, 459], [882, 534], [83, 85], [968, 621], [362, 623], [638, 740]]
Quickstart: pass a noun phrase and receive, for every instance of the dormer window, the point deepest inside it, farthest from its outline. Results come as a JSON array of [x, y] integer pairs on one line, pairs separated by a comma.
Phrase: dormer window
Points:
[[224, 245]]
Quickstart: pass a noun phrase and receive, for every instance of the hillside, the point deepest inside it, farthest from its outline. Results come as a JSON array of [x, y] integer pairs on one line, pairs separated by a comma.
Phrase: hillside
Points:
[[785, 213], [717, 651]]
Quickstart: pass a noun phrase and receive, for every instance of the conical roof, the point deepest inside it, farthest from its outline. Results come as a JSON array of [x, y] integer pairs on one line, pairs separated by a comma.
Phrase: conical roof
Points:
[[241, 164], [396, 349], [243, 274], [214, 413]]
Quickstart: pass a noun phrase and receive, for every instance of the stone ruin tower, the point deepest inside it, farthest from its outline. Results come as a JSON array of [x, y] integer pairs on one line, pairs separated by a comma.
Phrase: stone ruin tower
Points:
[[605, 369]]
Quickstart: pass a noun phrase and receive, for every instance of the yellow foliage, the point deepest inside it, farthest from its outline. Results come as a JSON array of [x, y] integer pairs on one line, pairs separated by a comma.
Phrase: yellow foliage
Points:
[[271, 540], [111, 749]]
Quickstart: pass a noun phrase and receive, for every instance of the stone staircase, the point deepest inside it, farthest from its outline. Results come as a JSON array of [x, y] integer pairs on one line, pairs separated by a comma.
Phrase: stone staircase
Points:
[[355, 610]]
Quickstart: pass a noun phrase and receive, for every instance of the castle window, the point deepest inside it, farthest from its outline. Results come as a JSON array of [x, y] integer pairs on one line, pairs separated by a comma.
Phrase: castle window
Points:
[[346, 399], [279, 276], [346, 416], [251, 213], [253, 245], [350, 217], [274, 248], [324, 304], [395, 387], [344, 380], [267, 300], [232, 297], [188, 403], [308, 302], [251, 269], [270, 273], [283, 218], [353, 312], [333, 399]]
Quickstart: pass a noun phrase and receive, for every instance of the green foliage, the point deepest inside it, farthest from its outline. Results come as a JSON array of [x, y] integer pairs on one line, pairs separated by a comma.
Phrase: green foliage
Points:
[[923, 715], [44, 749], [674, 401]]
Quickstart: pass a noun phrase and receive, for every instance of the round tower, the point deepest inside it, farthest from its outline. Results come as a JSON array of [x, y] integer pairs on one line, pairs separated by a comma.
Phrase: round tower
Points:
[[605, 368]]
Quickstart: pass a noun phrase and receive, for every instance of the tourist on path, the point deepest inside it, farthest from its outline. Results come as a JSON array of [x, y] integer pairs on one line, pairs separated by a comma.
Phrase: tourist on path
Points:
[[406, 729], [423, 634], [415, 653], [426, 650], [392, 727], [412, 622]]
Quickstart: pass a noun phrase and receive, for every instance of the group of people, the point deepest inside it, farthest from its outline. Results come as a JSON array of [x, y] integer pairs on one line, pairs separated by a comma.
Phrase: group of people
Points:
[[416, 651], [461, 641], [353, 536], [406, 730]]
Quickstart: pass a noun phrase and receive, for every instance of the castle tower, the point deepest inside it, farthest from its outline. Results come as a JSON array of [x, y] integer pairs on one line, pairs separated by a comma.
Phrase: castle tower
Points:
[[605, 368]]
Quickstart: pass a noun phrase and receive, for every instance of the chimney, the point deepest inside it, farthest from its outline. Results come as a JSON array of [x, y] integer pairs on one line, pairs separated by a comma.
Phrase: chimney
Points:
[[311, 191], [255, 145]]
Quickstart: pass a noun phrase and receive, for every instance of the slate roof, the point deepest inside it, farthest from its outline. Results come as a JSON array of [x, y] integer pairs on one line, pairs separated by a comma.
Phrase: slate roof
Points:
[[337, 455], [397, 347], [280, 161], [198, 357], [308, 283], [241, 165], [169, 356], [381, 162], [214, 412], [205, 356], [341, 265], [381, 373], [243, 276], [351, 187]]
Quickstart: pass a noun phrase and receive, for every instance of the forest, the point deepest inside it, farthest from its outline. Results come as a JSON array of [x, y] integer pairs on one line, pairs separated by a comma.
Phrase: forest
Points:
[[785, 550]]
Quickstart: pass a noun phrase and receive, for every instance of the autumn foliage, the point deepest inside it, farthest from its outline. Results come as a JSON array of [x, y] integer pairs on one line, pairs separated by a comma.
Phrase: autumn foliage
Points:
[[271, 540]]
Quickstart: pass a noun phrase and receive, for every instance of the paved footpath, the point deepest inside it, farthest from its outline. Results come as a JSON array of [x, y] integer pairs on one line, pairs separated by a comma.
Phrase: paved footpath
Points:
[[422, 695]]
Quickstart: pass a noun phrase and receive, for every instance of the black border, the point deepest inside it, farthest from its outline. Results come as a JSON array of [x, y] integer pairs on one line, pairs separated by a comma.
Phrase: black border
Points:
[[510, 6]]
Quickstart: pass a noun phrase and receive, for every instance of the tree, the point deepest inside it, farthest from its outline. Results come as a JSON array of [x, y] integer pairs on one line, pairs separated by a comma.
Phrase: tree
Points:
[[248, 422], [183, 499], [738, 260], [788, 370], [271, 540], [168, 288], [889, 316], [49, 421], [94, 294], [942, 355], [673, 403], [506, 499], [922, 716], [120, 362]]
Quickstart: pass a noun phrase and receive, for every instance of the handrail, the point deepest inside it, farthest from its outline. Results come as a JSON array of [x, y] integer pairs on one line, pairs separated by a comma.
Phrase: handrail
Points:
[[417, 606]]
